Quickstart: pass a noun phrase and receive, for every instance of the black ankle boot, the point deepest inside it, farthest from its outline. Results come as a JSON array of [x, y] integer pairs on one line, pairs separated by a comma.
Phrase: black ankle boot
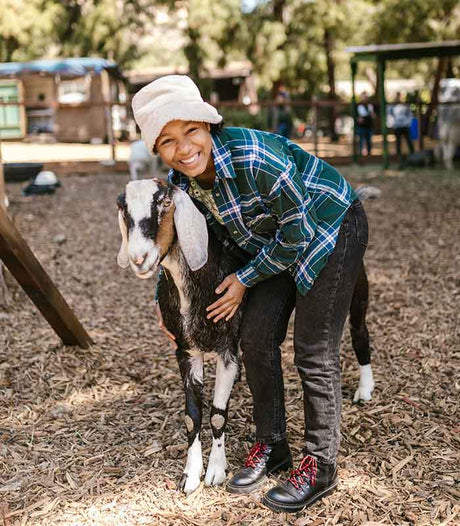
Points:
[[262, 460], [308, 483]]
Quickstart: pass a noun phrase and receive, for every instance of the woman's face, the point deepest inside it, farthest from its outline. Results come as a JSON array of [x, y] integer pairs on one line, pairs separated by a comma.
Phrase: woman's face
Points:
[[186, 147]]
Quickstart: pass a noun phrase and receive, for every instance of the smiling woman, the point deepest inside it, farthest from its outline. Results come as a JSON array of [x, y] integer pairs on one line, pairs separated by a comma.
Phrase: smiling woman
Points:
[[186, 146], [303, 234]]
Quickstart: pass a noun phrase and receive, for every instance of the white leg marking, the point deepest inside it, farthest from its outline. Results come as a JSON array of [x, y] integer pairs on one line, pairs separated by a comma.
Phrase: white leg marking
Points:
[[366, 384], [194, 467], [215, 474], [196, 365], [225, 378]]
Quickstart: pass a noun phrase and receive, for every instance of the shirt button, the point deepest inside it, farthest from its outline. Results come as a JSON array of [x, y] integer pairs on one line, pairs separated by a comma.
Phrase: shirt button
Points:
[[235, 231], [217, 194]]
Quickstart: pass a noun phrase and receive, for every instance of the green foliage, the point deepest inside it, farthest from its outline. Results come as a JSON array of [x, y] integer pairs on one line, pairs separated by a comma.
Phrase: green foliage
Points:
[[25, 28], [298, 42]]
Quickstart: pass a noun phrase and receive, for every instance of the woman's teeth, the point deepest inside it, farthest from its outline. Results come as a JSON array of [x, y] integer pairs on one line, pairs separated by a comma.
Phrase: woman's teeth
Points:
[[190, 160]]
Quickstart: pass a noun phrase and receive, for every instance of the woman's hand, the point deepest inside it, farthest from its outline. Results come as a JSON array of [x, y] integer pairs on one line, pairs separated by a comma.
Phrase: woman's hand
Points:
[[163, 328], [227, 305]]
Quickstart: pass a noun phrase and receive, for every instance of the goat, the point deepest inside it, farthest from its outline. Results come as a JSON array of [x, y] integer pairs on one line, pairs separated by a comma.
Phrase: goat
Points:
[[160, 224], [449, 133], [141, 162]]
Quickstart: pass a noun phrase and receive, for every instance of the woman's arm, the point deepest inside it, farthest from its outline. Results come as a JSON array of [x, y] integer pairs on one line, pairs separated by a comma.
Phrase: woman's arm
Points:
[[293, 209]]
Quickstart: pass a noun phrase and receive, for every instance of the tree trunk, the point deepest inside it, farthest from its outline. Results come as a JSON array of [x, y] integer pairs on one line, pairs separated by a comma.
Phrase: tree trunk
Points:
[[328, 48], [427, 128]]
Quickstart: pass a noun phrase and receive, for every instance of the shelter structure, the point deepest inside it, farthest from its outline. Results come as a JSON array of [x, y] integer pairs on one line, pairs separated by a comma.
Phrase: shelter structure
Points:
[[234, 83], [381, 54], [74, 100]]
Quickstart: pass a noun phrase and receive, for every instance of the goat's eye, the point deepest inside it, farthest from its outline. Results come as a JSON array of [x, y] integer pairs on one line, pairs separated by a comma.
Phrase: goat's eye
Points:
[[167, 202]]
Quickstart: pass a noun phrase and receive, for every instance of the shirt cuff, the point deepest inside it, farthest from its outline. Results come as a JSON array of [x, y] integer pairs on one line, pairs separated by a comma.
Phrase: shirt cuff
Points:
[[249, 276]]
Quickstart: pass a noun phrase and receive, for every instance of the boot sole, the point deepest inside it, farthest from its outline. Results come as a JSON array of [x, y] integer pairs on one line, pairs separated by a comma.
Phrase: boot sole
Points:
[[244, 490], [292, 508]]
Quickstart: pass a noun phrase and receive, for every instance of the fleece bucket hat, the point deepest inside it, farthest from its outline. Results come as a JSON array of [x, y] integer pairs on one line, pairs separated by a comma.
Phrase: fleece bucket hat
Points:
[[170, 98]]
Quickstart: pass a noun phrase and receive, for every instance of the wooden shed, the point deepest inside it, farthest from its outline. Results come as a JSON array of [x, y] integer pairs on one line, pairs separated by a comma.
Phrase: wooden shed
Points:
[[72, 100]]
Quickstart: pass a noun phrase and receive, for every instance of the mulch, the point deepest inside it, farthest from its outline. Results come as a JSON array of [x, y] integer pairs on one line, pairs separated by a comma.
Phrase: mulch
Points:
[[97, 437]]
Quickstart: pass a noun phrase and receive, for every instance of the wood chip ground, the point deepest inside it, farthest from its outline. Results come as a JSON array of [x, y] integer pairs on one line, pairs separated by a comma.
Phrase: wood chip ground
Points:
[[97, 437]]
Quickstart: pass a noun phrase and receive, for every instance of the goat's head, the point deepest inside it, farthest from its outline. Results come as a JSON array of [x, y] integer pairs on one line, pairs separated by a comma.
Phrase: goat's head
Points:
[[150, 214]]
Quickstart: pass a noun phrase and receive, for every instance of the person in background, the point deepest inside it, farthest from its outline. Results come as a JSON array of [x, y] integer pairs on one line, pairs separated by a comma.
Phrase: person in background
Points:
[[399, 119], [365, 115], [282, 113]]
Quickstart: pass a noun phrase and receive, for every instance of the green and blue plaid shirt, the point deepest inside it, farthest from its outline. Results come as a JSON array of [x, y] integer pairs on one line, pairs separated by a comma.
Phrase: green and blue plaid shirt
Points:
[[279, 203]]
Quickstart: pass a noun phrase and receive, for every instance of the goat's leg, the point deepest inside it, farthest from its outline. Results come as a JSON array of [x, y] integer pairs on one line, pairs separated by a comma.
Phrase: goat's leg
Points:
[[191, 368], [360, 335], [226, 372]]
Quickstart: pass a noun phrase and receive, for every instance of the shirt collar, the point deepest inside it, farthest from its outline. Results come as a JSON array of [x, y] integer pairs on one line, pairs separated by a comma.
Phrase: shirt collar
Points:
[[222, 162]]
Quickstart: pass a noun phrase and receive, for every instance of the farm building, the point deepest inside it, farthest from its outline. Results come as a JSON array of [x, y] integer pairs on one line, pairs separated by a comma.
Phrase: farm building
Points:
[[234, 83], [70, 100]]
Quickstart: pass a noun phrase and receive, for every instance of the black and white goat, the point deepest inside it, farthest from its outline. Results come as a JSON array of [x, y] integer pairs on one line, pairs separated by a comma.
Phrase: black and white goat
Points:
[[160, 224]]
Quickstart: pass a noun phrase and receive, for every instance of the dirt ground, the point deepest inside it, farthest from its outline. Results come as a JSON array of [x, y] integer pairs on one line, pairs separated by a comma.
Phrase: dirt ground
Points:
[[97, 437]]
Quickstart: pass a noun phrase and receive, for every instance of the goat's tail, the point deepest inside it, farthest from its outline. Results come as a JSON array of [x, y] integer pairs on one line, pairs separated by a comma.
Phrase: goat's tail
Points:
[[368, 192], [358, 309]]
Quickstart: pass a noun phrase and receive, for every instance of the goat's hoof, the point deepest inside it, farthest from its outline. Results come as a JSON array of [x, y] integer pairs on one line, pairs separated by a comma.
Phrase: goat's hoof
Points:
[[188, 484], [362, 395], [215, 475]]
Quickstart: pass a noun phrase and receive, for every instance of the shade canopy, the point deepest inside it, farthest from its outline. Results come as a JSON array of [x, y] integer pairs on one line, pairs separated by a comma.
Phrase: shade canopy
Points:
[[71, 67], [380, 54]]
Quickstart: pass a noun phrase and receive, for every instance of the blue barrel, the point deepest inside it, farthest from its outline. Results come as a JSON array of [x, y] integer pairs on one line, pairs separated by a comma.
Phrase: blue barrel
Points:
[[413, 130]]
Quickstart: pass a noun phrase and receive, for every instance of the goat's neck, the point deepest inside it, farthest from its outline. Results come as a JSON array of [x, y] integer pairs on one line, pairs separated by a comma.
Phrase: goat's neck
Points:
[[175, 264]]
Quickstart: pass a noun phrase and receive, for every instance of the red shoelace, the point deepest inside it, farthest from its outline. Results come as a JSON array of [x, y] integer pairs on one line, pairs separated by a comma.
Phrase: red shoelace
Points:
[[306, 472], [255, 455]]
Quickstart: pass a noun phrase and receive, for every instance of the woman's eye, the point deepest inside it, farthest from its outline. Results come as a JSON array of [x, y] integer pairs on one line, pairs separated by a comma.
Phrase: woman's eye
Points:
[[165, 142], [191, 130]]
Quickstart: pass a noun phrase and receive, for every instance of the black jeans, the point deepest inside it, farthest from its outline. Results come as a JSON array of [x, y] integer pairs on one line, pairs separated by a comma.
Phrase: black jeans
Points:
[[400, 133], [319, 319]]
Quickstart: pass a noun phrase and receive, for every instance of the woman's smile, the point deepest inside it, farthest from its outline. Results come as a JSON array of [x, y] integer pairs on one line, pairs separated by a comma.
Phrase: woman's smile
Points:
[[191, 160]]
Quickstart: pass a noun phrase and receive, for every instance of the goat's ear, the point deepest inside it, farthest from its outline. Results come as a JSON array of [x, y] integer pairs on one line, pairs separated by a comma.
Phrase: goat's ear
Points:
[[121, 201], [122, 258], [191, 230]]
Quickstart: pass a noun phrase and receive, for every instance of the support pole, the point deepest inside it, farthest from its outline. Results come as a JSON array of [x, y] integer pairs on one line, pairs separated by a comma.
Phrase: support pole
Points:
[[383, 109], [105, 81], [27, 270], [315, 124], [354, 66]]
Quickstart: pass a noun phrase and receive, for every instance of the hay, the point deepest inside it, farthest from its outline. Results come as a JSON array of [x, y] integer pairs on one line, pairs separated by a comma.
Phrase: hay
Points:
[[97, 437]]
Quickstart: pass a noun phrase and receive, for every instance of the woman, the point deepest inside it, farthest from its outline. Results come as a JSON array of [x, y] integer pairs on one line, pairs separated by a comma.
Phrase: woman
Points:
[[305, 233]]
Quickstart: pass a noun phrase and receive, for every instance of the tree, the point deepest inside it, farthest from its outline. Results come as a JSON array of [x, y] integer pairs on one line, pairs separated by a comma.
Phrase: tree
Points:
[[25, 28]]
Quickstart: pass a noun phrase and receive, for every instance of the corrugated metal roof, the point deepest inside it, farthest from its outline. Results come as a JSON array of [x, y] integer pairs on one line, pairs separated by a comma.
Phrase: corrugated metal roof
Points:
[[74, 67]]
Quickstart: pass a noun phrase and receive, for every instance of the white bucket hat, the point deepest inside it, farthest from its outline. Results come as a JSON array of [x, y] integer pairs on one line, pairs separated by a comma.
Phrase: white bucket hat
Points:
[[170, 98]]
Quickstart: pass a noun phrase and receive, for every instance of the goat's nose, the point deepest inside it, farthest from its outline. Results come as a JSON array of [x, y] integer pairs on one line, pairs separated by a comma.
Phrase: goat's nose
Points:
[[138, 260]]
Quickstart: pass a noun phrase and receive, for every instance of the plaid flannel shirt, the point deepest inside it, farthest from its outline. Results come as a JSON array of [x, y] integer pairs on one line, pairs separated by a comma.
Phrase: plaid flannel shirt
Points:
[[279, 203]]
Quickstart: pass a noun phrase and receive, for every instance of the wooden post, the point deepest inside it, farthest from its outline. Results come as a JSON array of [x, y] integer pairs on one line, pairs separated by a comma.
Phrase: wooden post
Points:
[[353, 108], [105, 83], [315, 124], [383, 110], [2, 180], [27, 270]]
